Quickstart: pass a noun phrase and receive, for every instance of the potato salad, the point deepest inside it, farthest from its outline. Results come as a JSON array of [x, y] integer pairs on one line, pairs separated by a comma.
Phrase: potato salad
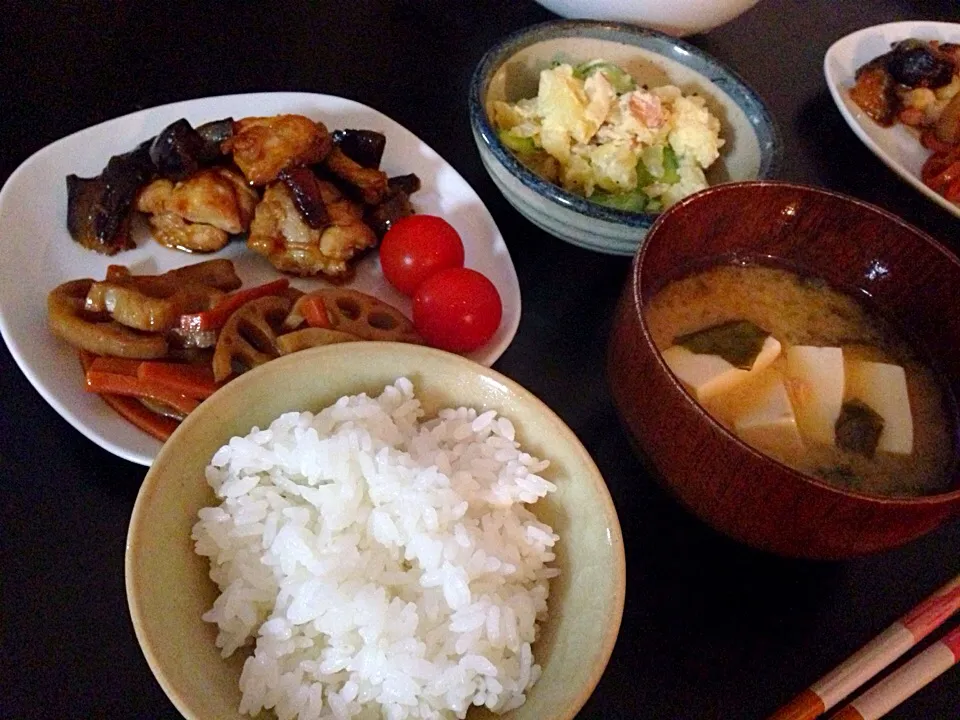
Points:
[[592, 130]]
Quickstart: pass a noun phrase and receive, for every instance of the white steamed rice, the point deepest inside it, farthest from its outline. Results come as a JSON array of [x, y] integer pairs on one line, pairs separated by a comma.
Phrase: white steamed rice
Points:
[[383, 566]]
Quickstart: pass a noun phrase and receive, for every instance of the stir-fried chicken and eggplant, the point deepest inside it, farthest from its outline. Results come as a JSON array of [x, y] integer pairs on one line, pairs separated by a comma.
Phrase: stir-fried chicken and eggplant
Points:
[[308, 200], [917, 84]]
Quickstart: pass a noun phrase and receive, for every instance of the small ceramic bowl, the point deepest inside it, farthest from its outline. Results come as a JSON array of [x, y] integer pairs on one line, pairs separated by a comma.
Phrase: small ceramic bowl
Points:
[[168, 587], [677, 17], [910, 279], [510, 71]]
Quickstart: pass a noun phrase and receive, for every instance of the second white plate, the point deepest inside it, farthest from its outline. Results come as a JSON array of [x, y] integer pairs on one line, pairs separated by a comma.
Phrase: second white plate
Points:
[[39, 253], [895, 146]]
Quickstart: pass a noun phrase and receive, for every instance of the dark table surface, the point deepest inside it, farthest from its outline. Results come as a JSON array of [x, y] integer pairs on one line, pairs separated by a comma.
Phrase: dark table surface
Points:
[[711, 629]]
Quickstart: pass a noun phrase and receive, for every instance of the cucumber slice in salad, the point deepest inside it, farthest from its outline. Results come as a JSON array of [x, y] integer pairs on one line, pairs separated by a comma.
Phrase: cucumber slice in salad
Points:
[[671, 166], [633, 201], [517, 143], [618, 77]]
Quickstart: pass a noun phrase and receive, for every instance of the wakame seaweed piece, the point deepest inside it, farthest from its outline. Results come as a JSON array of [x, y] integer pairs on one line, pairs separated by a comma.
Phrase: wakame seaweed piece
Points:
[[364, 147], [858, 428], [305, 189], [737, 341], [98, 209]]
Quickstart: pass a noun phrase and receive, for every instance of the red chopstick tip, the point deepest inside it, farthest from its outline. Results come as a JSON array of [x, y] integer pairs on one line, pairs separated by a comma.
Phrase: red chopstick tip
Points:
[[848, 713], [805, 706]]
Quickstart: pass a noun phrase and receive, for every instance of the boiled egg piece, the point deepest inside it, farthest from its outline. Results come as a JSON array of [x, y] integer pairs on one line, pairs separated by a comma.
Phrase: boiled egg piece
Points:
[[707, 376], [815, 382], [883, 387]]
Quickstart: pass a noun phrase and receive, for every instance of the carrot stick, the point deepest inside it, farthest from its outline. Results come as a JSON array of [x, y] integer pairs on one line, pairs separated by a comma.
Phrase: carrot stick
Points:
[[194, 381], [217, 316], [314, 311], [131, 409], [86, 359], [119, 366], [929, 139], [116, 384], [135, 412]]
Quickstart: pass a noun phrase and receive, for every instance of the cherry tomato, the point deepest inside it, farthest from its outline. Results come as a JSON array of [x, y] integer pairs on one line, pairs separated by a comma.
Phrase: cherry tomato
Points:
[[457, 309], [416, 247]]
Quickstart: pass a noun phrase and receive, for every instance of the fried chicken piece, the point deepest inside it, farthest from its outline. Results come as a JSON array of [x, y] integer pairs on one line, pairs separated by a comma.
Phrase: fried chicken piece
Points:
[[875, 94], [263, 146], [198, 214], [280, 233], [371, 183]]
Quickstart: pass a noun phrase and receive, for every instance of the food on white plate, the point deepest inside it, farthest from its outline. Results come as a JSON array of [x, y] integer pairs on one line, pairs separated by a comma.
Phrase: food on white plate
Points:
[[375, 563], [365, 316], [312, 201], [201, 212], [264, 146], [594, 132], [454, 308], [917, 84], [283, 234], [155, 346], [457, 309], [416, 247], [808, 375]]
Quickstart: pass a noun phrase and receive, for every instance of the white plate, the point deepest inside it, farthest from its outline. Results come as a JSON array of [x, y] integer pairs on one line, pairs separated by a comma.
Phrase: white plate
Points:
[[38, 253], [895, 146]]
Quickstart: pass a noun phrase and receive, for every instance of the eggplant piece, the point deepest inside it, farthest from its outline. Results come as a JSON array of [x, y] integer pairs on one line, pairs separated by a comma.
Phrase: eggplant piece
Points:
[[407, 183], [98, 209], [178, 151], [305, 190], [381, 217], [397, 204], [370, 184], [214, 133], [915, 64], [364, 147]]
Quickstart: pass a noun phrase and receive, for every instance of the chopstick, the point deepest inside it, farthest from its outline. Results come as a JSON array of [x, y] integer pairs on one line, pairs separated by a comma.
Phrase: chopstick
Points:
[[873, 657], [905, 681]]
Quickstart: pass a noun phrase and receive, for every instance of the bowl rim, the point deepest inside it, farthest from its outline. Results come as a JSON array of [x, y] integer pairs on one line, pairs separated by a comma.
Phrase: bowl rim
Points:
[[948, 497], [496, 56], [315, 357]]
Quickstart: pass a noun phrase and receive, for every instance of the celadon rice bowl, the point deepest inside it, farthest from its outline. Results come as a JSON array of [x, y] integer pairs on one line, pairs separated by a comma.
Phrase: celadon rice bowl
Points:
[[380, 565]]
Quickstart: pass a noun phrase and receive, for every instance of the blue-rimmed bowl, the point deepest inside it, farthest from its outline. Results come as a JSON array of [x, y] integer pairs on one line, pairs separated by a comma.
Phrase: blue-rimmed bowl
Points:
[[510, 71]]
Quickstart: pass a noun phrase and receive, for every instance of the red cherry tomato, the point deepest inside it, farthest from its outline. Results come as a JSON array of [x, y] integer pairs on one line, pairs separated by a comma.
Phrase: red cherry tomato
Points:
[[416, 247], [457, 309]]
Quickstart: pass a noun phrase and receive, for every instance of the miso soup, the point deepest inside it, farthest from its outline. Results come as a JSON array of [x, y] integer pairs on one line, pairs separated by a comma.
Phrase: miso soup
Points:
[[810, 376]]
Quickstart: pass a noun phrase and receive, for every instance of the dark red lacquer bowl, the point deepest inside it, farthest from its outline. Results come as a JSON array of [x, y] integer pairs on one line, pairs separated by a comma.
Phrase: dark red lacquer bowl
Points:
[[912, 280]]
